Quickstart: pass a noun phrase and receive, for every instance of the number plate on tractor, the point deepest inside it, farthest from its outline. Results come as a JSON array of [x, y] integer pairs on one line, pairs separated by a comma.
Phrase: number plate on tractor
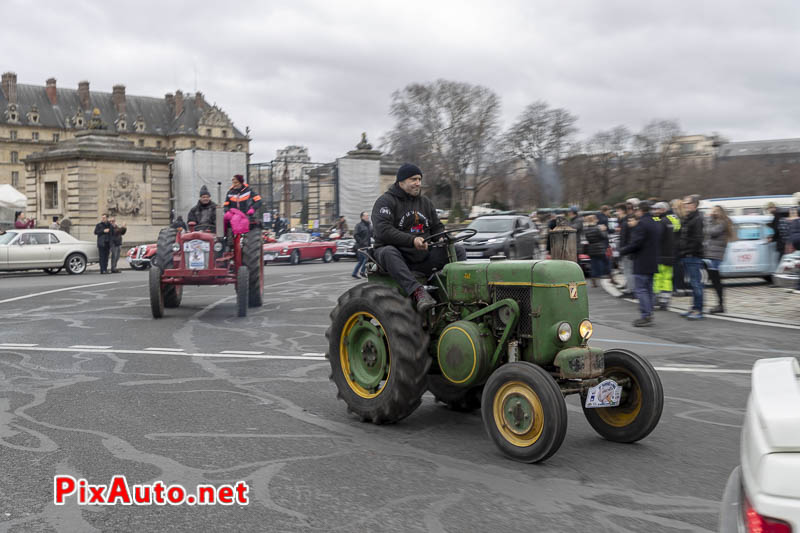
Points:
[[604, 394]]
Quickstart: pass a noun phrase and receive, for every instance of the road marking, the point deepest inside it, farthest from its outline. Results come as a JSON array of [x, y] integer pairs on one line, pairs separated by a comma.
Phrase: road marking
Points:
[[17, 344], [679, 365], [90, 347], [165, 349], [702, 370], [241, 352], [155, 352], [313, 353], [56, 290]]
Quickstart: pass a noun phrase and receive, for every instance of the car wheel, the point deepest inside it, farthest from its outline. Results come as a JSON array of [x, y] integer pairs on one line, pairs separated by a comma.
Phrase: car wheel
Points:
[[53, 271], [75, 264], [336, 258], [327, 257], [294, 259]]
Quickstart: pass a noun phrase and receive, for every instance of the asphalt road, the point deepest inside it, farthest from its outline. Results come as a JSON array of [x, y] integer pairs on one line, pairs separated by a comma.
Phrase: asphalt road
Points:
[[91, 386]]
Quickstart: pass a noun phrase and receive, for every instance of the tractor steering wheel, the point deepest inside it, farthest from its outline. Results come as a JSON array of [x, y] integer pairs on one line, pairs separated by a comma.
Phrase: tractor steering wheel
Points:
[[447, 238]]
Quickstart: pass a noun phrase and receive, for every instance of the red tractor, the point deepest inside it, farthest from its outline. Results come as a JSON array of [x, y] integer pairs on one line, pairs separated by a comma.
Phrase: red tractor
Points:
[[201, 257]]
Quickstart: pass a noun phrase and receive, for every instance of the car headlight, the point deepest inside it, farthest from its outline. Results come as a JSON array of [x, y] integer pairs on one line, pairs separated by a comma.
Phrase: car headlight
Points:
[[564, 332], [496, 240], [585, 329], [285, 251], [176, 247], [217, 247]]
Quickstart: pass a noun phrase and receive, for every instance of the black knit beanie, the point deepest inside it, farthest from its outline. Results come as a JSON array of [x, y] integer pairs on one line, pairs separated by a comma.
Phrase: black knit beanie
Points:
[[204, 190], [406, 171]]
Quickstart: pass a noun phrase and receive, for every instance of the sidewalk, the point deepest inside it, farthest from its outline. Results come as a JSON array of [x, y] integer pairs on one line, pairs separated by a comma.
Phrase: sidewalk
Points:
[[746, 298]]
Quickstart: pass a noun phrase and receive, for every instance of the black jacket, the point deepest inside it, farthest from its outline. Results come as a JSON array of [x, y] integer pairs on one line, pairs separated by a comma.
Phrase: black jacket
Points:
[[624, 231], [242, 198], [203, 215], [116, 235], [666, 255], [598, 240], [362, 234], [400, 218], [103, 238], [645, 245], [691, 236]]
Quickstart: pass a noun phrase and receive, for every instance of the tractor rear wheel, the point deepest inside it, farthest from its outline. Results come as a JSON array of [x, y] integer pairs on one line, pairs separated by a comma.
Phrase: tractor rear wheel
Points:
[[156, 293], [242, 290], [166, 238], [642, 399], [524, 412], [253, 259], [461, 399], [378, 353]]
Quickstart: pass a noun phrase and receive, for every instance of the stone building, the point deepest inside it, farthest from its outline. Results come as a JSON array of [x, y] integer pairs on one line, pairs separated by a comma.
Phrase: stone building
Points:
[[35, 117]]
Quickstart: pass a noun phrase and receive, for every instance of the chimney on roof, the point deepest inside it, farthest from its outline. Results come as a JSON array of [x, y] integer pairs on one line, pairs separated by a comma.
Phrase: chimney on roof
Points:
[[51, 91], [199, 102], [118, 98], [83, 94], [178, 102], [9, 84]]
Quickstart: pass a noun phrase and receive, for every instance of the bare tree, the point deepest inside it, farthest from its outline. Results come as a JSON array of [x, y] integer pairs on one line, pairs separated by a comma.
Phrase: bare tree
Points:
[[657, 153], [447, 127], [539, 138], [605, 150]]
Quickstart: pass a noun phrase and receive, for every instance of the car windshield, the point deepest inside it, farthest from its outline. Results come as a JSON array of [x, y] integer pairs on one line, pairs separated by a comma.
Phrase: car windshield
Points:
[[295, 237], [748, 232], [7, 237], [491, 225]]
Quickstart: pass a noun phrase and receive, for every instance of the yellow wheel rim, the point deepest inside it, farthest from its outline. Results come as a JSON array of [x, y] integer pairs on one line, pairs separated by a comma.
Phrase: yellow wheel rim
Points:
[[630, 405], [364, 355], [518, 414]]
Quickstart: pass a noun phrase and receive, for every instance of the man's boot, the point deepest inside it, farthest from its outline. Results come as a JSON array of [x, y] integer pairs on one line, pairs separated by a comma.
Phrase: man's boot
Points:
[[424, 300]]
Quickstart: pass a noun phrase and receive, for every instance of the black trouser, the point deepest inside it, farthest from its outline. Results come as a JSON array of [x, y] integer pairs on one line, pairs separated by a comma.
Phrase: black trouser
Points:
[[105, 251], [678, 280], [716, 281], [400, 268]]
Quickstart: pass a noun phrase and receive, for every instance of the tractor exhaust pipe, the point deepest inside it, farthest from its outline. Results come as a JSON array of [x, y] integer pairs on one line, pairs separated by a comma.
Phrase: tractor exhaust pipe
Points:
[[220, 217]]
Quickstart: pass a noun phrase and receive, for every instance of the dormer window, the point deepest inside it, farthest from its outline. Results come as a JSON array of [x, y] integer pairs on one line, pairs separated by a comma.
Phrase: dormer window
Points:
[[33, 115], [140, 127], [139, 124], [11, 113], [122, 125], [78, 120]]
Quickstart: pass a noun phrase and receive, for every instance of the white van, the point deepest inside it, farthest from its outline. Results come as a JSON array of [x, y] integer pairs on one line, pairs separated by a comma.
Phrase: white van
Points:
[[749, 205]]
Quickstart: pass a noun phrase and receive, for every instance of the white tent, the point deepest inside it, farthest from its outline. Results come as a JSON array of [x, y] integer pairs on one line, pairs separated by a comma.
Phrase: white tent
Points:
[[11, 198]]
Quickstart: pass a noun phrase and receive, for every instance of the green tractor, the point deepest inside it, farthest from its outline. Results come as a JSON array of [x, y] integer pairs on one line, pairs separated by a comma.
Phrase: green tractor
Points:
[[508, 337]]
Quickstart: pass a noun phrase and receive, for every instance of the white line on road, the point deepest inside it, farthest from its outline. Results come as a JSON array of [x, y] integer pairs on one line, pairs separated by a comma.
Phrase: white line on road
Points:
[[17, 344], [56, 290], [90, 347], [702, 370], [241, 352], [164, 349], [154, 352], [689, 365], [314, 353]]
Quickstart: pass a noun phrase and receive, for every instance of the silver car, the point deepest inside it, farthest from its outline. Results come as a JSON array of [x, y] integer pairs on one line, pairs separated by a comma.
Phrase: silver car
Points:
[[48, 250]]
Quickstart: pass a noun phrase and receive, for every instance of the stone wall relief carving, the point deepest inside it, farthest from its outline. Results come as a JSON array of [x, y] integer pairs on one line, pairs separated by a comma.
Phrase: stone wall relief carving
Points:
[[124, 197]]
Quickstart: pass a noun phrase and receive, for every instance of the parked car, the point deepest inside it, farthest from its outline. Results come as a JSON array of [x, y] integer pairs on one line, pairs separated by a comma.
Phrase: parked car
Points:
[[297, 247], [763, 493], [141, 257], [752, 254], [788, 271], [511, 235], [346, 248], [48, 250]]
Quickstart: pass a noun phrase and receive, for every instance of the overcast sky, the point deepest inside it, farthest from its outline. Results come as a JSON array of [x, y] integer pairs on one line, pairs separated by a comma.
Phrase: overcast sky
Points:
[[320, 73]]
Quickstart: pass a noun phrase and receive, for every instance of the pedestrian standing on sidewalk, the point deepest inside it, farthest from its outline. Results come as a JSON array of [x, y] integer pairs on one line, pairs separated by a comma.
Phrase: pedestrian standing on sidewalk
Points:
[[116, 242], [662, 281], [602, 221], [103, 231], [644, 247], [691, 253], [597, 238], [679, 287], [363, 236], [624, 215]]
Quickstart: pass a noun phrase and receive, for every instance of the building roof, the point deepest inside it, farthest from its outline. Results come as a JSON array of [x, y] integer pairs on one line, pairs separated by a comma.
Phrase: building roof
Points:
[[157, 113], [768, 147]]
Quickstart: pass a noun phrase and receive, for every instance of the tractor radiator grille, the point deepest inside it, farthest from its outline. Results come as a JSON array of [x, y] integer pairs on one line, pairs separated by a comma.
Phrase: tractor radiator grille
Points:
[[522, 295]]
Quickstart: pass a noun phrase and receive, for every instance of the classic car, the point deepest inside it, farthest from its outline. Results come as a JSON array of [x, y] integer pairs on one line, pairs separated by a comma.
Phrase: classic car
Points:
[[763, 493], [511, 235], [48, 250], [788, 271], [752, 254], [345, 248], [140, 257], [297, 247]]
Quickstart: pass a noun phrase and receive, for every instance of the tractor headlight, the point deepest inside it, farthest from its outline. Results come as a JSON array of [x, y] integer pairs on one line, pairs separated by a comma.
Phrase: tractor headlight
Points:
[[217, 247], [585, 329], [564, 332], [176, 247]]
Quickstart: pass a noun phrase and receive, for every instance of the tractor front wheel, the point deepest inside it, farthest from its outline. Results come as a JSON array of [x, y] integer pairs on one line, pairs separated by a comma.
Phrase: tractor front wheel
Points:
[[156, 293], [524, 412], [253, 259], [378, 353], [461, 399], [640, 405], [166, 239], [242, 290]]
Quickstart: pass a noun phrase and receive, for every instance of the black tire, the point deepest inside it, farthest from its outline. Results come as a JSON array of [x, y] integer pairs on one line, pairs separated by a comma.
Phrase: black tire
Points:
[[242, 290], [75, 264], [505, 387], [327, 257], [53, 271], [768, 279], [140, 266], [461, 399], [642, 402], [336, 258], [403, 381], [253, 259], [156, 293], [294, 259], [166, 238]]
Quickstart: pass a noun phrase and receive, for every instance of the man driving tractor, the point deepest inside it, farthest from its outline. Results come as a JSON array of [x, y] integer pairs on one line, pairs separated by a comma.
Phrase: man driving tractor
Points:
[[403, 219], [204, 214]]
